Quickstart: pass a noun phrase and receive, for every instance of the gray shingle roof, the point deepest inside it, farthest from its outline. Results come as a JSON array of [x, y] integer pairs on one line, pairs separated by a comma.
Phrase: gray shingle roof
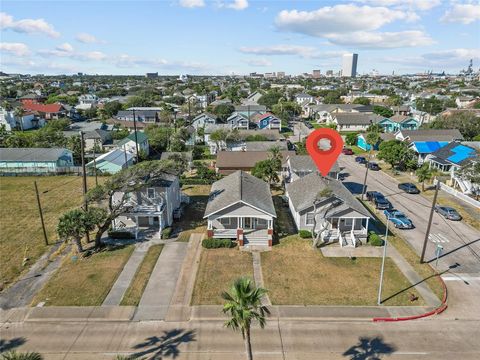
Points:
[[265, 145], [357, 118], [305, 163], [245, 159], [433, 135], [31, 154], [303, 191], [240, 186]]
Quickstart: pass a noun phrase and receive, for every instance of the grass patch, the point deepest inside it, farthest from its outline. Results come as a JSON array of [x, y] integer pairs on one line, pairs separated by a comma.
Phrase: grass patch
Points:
[[217, 270], [22, 234], [135, 290], [409, 254], [85, 281], [192, 218], [284, 224], [296, 274], [357, 150]]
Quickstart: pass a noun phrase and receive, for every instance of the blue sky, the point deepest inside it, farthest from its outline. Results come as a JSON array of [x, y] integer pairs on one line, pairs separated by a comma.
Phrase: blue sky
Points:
[[237, 36]]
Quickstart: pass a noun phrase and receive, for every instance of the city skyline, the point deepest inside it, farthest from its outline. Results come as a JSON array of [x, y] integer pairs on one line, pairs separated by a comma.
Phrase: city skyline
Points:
[[224, 37]]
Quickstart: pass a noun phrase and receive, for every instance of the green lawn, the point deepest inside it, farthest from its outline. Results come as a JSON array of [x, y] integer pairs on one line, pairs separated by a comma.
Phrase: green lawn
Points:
[[20, 225], [357, 151], [137, 286], [84, 281], [217, 270], [296, 274]]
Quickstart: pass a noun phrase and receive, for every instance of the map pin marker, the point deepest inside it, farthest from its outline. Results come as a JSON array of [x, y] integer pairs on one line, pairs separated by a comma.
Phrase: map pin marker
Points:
[[324, 145]]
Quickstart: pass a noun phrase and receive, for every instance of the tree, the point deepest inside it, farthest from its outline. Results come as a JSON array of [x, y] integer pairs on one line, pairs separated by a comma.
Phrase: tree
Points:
[[204, 173], [269, 99], [112, 108], [362, 100], [58, 124], [126, 181], [397, 154], [424, 173], [244, 306], [434, 105], [351, 139], [158, 137], [466, 122], [394, 100], [382, 111], [268, 169], [223, 111], [219, 137], [75, 224], [333, 97], [138, 101]]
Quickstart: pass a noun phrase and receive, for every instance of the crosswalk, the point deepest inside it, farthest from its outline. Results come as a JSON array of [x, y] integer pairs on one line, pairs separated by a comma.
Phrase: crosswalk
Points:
[[437, 238]]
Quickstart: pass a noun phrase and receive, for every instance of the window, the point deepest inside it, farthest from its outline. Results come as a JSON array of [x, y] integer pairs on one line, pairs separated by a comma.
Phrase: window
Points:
[[262, 222], [309, 219], [224, 221], [348, 222], [151, 193]]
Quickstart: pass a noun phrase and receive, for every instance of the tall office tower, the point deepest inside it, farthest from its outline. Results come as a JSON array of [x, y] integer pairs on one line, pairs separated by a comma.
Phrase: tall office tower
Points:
[[349, 68], [316, 74]]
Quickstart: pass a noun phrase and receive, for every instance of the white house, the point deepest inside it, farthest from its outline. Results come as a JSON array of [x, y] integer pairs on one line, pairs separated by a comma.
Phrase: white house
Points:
[[200, 121], [25, 122], [87, 101], [238, 121], [129, 143]]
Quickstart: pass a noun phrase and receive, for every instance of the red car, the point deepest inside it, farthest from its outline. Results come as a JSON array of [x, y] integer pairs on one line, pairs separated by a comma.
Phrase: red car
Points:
[[347, 151]]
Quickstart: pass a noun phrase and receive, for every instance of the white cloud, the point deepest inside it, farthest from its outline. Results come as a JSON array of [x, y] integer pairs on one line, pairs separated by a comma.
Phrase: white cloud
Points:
[[462, 13], [236, 5], [412, 4], [258, 62], [382, 40], [66, 50], [128, 61], [303, 51], [65, 47], [192, 3], [27, 26], [30, 66], [338, 19], [461, 54], [18, 49], [88, 39]]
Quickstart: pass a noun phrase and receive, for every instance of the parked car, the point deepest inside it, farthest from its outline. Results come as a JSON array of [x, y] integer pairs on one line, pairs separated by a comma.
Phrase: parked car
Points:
[[448, 213], [379, 200], [372, 166], [399, 219], [409, 188], [361, 160], [347, 151]]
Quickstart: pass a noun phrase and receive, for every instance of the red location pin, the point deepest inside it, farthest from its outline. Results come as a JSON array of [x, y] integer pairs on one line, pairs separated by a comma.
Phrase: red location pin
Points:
[[324, 146]]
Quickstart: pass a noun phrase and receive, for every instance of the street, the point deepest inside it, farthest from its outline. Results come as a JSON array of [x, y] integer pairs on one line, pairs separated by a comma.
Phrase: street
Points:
[[301, 340], [461, 242]]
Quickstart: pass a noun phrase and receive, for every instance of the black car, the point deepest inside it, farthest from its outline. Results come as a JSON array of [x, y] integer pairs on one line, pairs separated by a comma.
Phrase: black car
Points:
[[361, 160], [373, 166], [409, 188], [379, 200], [371, 195]]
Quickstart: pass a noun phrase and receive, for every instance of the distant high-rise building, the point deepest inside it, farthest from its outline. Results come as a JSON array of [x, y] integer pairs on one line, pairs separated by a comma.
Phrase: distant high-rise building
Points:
[[151, 75], [316, 74], [349, 68], [329, 73], [280, 74]]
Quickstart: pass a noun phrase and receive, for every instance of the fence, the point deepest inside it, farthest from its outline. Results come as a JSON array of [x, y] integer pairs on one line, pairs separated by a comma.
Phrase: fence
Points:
[[459, 195], [39, 171]]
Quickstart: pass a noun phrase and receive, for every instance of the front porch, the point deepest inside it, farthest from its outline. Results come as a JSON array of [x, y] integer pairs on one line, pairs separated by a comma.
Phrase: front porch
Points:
[[246, 230], [349, 232]]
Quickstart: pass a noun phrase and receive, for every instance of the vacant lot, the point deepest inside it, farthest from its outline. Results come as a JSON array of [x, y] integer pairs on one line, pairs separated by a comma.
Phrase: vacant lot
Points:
[[84, 281], [135, 290], [19, 218], [295, 274], [216, 273]]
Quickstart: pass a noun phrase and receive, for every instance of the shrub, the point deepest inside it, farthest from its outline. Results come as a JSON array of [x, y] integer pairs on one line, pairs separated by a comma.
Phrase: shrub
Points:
[[212, 243], [374, 239], [13, 355], [166, 232], [305, 234], [120, 234]]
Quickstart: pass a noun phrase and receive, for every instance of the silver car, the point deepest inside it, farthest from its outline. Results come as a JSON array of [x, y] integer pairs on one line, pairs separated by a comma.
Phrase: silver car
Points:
[[448, 213]]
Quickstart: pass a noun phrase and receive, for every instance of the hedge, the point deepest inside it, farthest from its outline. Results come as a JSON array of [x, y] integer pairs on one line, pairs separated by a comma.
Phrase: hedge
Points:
[[374, 239], [212, 243], [166, 232], [196, 181], [121, 234], [305, 234]]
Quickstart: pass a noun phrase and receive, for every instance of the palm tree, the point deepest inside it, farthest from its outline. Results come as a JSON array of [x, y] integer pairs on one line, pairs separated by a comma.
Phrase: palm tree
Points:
[[13, 355], [243, 304], [424, 173]]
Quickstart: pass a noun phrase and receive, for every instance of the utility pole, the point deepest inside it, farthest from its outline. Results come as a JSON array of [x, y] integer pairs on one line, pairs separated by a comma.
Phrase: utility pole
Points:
[[95, 166], [41, 214], [136, 139], [365, 179], [379, 300], [427, 234], [125, 153], [84, 175]]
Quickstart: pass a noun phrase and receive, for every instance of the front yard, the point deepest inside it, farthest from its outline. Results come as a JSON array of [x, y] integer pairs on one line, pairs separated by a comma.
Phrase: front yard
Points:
[[217, 271], [296, 274], [84, 281]]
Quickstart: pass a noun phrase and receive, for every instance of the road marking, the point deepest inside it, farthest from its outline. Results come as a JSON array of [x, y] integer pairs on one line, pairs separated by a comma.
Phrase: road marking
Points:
[[460, 278], [438, 238]]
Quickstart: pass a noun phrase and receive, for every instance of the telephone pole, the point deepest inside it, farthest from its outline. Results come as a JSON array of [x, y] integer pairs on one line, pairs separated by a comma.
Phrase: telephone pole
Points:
[[136, 139], [84, 175], [41, 213], [427, 234]]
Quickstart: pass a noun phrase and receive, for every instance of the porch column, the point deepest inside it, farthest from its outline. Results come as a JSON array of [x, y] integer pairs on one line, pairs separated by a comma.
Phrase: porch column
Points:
[[209, 229], [136, 227], [366, 226], [353, 223], [270, 232]]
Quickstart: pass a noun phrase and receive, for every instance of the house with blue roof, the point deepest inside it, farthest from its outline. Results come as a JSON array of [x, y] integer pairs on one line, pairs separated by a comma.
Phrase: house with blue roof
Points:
[[425, 148], [112, 161], [362, 141], [398, 122], [129, 143]]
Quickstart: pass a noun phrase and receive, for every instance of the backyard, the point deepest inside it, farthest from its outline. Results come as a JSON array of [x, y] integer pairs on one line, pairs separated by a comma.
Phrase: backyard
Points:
[[296, 274], [22, 235], [84, 281], [217, 271]]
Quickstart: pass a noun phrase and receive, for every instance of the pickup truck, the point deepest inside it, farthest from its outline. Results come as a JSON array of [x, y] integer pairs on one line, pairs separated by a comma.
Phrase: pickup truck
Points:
[[399, 219]]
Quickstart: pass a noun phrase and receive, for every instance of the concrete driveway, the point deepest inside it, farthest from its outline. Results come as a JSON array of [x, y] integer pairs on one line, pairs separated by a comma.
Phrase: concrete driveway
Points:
[[461, 242]]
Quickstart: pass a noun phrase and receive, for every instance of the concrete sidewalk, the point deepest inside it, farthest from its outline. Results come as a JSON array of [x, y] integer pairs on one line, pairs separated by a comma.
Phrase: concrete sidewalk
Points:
[[159, 291], [258, 275]]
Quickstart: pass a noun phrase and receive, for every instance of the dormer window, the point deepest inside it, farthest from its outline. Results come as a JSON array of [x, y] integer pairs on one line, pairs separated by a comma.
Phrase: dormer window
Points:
[[151, 193]]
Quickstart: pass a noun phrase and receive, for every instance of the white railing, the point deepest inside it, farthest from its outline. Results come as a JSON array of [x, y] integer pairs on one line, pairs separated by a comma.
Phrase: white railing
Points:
[[459, 195], [219, 233], [340, 238], [354, 240]]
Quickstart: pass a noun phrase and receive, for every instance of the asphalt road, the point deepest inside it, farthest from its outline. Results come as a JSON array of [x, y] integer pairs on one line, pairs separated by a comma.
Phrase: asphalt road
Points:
[[461, 242], [305, 340]]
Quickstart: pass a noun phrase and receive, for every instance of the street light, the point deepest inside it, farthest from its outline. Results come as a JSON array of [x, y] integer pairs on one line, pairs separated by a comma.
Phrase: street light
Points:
[[379, 300]]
